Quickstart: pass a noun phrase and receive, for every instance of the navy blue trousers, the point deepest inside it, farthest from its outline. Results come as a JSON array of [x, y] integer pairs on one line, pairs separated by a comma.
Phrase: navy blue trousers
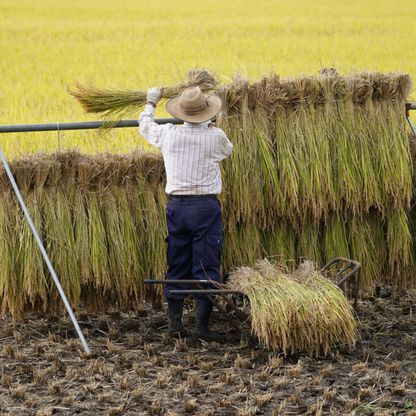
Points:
[[194, 241]]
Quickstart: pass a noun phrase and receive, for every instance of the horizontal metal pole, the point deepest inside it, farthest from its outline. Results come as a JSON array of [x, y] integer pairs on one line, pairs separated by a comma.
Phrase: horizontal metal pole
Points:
[[181, 281], [205, 292], [82, 125], [92, 125]]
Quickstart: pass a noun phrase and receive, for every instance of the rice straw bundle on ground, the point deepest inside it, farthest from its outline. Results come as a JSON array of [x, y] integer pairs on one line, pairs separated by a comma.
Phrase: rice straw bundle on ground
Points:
[[301, 311]]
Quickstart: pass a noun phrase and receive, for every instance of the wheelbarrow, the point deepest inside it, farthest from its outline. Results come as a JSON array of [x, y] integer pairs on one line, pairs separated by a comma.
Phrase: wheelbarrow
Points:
[[339, 269]]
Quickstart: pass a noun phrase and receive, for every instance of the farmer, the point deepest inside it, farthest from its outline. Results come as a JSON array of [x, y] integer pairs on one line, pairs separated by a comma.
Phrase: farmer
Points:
[[191, 154]]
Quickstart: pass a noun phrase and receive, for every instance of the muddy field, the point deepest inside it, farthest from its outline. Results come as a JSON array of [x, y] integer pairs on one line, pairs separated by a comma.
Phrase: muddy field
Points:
[[136, 369]]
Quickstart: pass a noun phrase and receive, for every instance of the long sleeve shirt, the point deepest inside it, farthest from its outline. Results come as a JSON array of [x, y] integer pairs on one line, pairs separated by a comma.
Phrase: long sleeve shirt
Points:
[[191, 153]]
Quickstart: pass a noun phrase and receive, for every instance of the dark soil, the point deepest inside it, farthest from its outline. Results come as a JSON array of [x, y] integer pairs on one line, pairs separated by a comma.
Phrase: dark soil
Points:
[[136, 369]]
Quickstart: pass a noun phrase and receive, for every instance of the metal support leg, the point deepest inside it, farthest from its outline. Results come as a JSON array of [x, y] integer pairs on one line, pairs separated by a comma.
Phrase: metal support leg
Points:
[[43, 251]]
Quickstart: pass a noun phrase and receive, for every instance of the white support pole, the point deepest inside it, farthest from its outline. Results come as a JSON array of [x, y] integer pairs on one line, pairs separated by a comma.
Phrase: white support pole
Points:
[[44, 254]]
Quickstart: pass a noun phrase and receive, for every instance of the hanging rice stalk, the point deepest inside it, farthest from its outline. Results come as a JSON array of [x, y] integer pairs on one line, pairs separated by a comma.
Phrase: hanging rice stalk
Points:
[[279, 244], [241, 246], [335, 239], [35, 282], [400, 252], [309, 245], [11, 293], [262, 104], [242, 174], [60, 244], [281, 305], [368, 246]]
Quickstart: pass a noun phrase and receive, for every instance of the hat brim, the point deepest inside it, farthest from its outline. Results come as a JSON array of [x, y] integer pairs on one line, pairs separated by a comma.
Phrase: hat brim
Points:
[[214, 107]]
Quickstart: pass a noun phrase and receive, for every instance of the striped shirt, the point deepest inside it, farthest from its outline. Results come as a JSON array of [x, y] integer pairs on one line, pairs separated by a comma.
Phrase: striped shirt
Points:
[[191, 153]]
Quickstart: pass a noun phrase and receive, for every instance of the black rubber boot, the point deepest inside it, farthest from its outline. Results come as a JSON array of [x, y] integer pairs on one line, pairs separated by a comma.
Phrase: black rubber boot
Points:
[[203, 314], [176, 328]]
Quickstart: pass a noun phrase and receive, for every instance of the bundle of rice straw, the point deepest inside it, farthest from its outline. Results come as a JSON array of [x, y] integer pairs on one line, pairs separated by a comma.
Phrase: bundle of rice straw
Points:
[[302, 311], [113, 105]]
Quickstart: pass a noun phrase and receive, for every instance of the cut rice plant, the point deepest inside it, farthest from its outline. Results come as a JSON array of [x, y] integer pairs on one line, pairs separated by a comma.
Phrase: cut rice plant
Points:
[[400, 253], [241, 246], [262, 97], [279, 244], [35, 282], [97, 241], [114, 105], [369, 247], [241, 173], [60, 244], [12, 300], [301, 311], [132, 279], [309, 245], [335, 239]]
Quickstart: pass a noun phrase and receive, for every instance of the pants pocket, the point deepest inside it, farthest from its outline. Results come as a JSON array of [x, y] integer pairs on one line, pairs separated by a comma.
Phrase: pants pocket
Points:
[[213, 252]]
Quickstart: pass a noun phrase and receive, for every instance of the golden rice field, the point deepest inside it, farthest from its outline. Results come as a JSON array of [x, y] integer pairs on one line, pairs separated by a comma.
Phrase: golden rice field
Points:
[[48, 45]]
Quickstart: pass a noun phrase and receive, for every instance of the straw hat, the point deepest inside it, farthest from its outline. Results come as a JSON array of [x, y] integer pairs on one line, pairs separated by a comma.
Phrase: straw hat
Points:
[[194, 106]]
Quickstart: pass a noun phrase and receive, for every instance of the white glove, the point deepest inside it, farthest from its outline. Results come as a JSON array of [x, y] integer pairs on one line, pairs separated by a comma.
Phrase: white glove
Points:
[[154, 95]]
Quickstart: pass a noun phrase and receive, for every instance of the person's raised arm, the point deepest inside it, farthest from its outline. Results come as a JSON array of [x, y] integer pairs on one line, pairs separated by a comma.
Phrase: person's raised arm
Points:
[[150, 130]]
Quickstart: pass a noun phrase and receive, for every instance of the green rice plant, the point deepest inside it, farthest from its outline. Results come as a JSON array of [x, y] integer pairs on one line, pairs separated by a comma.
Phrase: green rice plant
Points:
[[281, 306]]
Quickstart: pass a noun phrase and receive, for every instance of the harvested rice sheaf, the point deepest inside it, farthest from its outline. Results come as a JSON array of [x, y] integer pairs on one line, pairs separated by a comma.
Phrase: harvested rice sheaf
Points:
[[300, 311], [114, 104]]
